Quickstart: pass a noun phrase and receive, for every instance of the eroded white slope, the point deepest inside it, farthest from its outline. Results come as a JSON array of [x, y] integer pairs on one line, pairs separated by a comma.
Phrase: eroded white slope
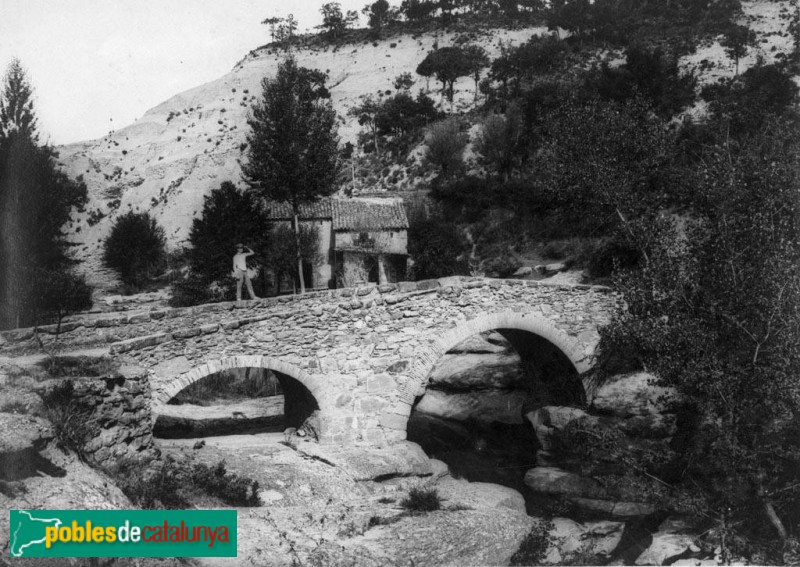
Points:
[[175, 154]]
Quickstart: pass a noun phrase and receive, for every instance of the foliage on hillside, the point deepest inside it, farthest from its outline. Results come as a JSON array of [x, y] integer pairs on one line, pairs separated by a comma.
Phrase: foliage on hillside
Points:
[[135, 248], [230, 216]]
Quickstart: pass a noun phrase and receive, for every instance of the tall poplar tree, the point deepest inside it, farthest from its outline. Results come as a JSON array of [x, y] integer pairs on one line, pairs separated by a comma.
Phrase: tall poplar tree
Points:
[[293, 142]]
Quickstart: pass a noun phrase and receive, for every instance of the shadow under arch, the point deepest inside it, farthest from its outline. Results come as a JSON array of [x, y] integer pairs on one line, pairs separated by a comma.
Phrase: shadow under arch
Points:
[[303, 389], [518, 324]]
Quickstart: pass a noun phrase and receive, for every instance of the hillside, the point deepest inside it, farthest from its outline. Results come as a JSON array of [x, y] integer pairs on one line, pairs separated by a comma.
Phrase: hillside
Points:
[[170, 158]]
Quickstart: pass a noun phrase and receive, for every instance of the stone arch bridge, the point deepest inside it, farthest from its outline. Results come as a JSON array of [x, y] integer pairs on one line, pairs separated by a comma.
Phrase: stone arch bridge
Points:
[[364, 353]]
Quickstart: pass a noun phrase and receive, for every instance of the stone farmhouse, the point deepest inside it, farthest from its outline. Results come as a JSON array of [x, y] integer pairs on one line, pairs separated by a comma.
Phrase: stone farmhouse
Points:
[[361, 240]]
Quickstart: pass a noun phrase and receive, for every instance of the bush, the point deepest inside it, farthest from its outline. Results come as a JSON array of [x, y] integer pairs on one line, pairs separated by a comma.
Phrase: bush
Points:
[[135, 248], [609, 255], [151, 485], [533, 549], [501, 266], [59, 292], [437, 247], [70, 418], [650, 74], [422, 500], [231, 488], [445, 146]]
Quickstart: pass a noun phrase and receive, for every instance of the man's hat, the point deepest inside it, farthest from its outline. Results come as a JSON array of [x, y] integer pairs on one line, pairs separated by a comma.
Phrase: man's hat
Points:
[[240, 245]]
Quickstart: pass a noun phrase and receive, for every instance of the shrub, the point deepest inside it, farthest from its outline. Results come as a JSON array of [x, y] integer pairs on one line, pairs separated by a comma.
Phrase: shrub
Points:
[[650, 74], [533, 549], [59, 292], [135, 248], [501, 266], [422, 500], [151, 485], [437, 248], [70, 418], [609, 255], [445, 145], [503, 142], [231, 488]]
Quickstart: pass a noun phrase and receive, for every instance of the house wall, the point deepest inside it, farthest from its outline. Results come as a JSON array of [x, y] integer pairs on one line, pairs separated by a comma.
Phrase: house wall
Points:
[[387, 242]]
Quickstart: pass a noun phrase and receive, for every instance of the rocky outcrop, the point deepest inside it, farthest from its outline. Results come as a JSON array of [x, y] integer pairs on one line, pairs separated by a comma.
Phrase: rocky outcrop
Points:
[[630, 417], [367, 463], [480, 494], [189, 420], [590, 538], [485, 406], [477, 371], [670, 541], [618, 499], [21, 439], [630, 395]]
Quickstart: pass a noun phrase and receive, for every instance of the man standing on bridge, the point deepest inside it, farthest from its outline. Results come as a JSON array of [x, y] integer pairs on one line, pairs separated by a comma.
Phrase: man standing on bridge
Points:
[[240, 271]]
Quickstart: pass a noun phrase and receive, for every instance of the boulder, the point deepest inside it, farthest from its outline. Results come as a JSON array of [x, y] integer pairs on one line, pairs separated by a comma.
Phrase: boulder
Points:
[[548, 419], [21, 439], [552, 480], [550, 269], [595, 538], [632, 395], [367, 463], [483, 406], [618, 497], [480, 494], [483, 536], [670, 540], [20, 401], [523, 271], [473, 371], [484, 343], [615, 508], [66, 483]]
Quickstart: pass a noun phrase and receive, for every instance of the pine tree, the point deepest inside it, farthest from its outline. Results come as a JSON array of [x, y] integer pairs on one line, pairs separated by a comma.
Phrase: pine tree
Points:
[[293, 142], [35, 202], [16, 104]]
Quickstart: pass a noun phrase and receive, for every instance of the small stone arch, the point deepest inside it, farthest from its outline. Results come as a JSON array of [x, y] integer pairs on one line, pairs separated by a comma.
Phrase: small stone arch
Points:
[[212, 367], [573, 349]]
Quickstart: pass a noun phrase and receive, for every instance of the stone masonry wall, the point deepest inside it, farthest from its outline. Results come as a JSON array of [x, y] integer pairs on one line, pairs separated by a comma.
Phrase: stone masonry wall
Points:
[[120, 413]]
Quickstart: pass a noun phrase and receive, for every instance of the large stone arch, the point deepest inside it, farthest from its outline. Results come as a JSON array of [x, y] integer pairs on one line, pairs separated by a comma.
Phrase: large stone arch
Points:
[[243, 361], [579, 354]]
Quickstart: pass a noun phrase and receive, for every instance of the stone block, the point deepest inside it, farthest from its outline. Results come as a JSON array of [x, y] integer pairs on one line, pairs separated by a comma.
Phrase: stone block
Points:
[[186, 333], [393, 421], [425, 285], [381, 383], [138, 318], [138, 343]]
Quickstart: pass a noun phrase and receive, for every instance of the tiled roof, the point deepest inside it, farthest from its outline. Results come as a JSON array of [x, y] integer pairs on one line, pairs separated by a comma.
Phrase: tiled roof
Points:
[[320, 209], [363, 215], [351, 215]]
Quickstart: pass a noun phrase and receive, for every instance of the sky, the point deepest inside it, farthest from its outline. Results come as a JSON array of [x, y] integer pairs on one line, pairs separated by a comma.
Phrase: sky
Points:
[[97, 65]]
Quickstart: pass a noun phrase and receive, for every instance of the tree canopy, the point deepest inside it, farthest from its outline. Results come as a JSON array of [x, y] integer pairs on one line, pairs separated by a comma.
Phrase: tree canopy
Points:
[[292, 143], [36, 201]]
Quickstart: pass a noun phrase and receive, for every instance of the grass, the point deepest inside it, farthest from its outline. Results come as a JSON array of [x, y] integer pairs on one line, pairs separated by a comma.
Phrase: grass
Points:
[[422, 500]]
